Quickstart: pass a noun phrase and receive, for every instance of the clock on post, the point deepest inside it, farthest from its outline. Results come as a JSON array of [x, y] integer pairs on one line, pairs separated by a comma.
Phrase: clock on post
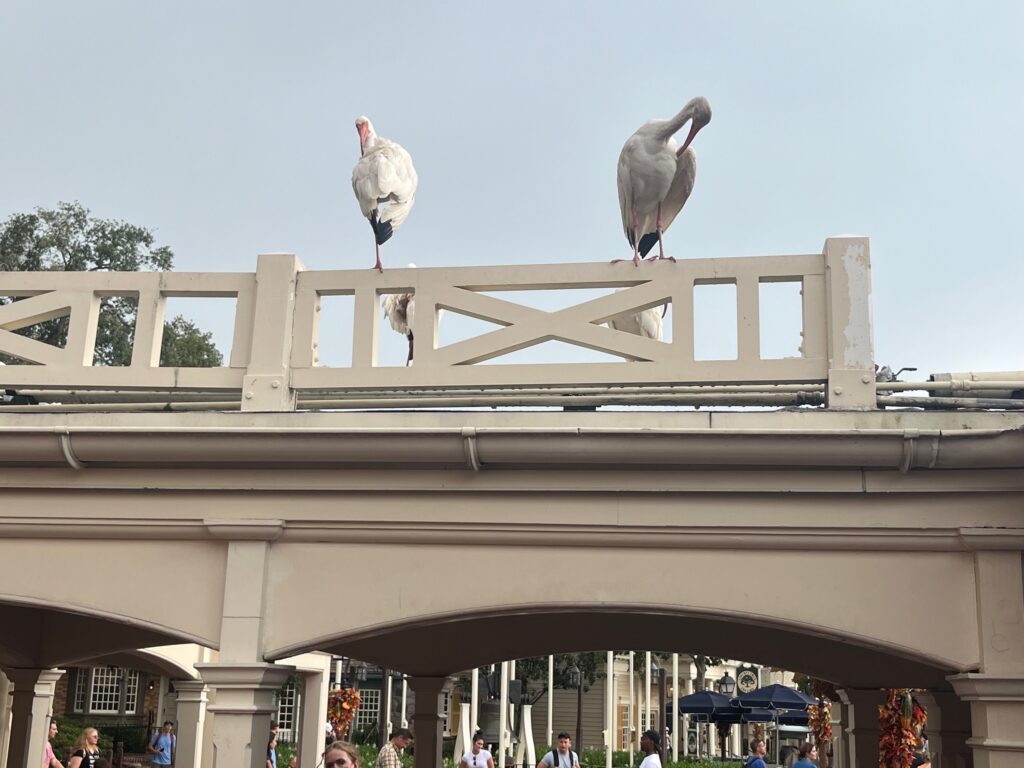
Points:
[[747, 679]]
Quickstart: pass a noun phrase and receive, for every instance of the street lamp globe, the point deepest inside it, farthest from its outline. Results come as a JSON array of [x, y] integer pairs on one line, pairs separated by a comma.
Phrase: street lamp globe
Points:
[[575, 676], [727, 684]]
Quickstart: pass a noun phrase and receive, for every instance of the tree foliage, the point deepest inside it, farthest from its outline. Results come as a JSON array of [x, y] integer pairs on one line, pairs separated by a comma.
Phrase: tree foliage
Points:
[[68, 239], [533, 673]]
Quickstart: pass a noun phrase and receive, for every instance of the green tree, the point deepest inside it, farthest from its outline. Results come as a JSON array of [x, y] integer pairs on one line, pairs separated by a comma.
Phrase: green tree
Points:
[[702, 663], [68, 239], [533, 672]]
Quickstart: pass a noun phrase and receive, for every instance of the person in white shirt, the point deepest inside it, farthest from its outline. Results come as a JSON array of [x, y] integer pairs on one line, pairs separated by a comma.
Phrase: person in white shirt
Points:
[[563, 757], [477, 757], [650, 744]]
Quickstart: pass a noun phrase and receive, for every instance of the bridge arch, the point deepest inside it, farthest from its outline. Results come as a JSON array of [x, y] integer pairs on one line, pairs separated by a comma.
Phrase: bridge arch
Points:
[[443, 645], [756, 605]]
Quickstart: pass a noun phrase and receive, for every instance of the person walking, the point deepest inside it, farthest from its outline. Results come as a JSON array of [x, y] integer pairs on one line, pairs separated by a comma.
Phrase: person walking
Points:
[[756, 757], [808, 756], [341, 754], [163, 745], [49, 759], [650, 745], [477, 757], [563, 757], [87, 750], [390, 755]]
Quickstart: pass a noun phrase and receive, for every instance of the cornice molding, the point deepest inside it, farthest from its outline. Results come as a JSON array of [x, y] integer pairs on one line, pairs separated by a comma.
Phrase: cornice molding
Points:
[[683, 537]]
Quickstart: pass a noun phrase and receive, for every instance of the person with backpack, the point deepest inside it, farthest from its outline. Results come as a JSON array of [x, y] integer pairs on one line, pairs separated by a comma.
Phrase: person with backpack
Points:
[[162, 745], [563, 757], [756, 757]]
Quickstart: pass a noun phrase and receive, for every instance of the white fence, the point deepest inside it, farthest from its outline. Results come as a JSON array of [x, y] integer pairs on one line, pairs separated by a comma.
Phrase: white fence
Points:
[[274, 351]]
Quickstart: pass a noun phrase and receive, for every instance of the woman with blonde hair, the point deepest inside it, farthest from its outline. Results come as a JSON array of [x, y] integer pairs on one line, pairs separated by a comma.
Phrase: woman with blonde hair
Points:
[[87, 750], [341, 754]]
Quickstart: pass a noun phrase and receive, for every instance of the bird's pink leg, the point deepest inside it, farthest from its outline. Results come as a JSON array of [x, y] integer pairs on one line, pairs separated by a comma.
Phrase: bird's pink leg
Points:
[[378, 266], [661, 242]]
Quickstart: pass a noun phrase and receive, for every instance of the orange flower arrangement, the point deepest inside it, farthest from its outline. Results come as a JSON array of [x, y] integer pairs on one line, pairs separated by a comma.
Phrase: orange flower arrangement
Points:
[[901, 720], [341, 710], [820, 721]]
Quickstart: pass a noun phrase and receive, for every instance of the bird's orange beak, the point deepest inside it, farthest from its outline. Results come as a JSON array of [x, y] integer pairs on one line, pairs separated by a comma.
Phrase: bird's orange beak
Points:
[[693, 132]]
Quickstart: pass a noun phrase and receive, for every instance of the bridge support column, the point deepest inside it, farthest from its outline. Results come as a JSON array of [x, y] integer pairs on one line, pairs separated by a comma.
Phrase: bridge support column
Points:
[[242, 711], [5, 716], [863, 731], [192, 700], [996, 692], [314, 716], [30, 714], [948, 729], [427, 724], [840, 738], [997, 718], [243, 684]]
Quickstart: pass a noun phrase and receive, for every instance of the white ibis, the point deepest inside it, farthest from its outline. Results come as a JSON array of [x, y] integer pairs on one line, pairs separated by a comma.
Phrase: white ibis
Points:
[[655, 179], [384, 175], [400, 309], [646, 323]]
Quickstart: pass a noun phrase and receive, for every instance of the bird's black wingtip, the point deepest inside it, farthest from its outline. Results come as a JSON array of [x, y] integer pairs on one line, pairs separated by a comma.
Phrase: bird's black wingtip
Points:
[[647, 242], [382, 230]]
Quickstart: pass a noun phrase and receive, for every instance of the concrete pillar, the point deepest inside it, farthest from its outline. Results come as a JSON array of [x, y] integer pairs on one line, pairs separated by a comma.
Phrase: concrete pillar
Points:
[[242, 684], [314, 716], [840, 738], [849, 342], [30, 714], [427, 722], [863, 731], [265, 386], [948, 729], [997, 718], [242, 710], [996, 692], [5, 716], [192, 700]]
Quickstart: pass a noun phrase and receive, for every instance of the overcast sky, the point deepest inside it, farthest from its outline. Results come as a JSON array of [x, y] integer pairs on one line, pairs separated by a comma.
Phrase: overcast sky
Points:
[[227, 127]]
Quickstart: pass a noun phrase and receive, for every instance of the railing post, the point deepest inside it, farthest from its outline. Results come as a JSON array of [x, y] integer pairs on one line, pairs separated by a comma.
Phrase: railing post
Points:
[[267, 382], [851, 364]]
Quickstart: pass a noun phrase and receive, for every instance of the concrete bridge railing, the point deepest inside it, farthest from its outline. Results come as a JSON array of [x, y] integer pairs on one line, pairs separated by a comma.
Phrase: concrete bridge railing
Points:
[[274, 352]]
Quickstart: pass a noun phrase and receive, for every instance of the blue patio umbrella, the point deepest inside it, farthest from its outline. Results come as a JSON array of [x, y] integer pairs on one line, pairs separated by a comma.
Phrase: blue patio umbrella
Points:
[[794, 717], [776, 697], [704, 703], [742, 715]]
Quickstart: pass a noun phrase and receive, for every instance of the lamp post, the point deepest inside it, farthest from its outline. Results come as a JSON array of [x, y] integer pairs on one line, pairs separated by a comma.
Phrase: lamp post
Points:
[[576, 678], [727, 687]]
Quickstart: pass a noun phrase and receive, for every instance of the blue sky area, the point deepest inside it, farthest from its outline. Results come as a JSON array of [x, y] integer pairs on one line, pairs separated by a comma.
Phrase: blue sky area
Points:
[[227, 127]]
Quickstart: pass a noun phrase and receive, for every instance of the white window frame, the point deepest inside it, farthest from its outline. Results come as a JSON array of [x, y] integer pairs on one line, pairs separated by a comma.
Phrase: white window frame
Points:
[[367, 714], [287, 710], [105, 691], [98, 691], [78, 703]]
